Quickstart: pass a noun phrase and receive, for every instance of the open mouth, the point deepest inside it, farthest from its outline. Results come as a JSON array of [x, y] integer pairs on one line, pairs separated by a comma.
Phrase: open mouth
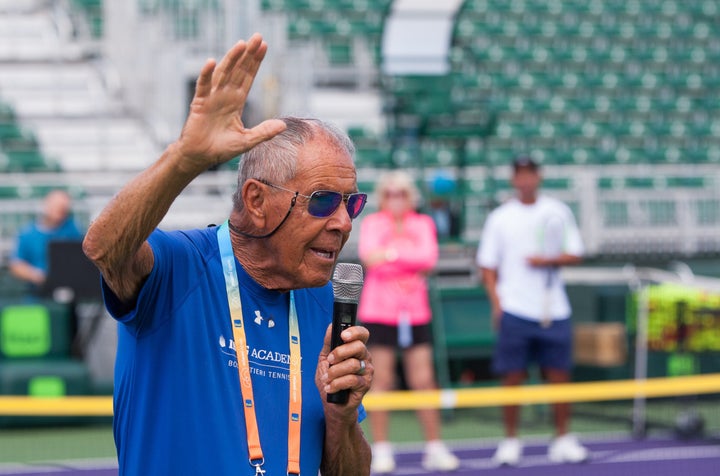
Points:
[[324, 254]]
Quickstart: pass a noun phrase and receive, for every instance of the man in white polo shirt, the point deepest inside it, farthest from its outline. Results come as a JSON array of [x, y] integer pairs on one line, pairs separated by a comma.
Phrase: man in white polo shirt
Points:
[[524, 243]]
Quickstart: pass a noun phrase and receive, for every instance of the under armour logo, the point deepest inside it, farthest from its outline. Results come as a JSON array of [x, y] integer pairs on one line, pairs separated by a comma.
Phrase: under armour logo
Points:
[[259, 319]]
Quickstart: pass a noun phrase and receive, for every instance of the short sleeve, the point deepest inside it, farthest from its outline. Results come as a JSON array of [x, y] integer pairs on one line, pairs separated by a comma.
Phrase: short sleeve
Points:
[[488, 254]]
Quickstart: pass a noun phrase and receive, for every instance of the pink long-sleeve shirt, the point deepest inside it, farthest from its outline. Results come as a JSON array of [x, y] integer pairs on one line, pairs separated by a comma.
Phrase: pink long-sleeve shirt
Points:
[[400, 285]]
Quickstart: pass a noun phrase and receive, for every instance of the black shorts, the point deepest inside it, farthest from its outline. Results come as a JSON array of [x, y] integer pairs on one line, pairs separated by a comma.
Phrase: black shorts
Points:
[[386, 335]]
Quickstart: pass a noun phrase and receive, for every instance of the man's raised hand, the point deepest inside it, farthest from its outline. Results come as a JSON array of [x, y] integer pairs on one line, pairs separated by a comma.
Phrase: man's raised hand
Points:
[[214, 132]]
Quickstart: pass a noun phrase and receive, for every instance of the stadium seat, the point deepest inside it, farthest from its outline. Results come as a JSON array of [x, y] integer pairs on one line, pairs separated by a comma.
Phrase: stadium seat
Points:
[[340, 52], [615, 214], [439, 155], [28, 161], [92, 9], [32, 331], [462, 327]]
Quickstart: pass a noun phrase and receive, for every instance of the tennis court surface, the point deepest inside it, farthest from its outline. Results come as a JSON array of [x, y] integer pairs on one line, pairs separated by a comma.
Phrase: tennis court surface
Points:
[[618, 456], [626, 434]]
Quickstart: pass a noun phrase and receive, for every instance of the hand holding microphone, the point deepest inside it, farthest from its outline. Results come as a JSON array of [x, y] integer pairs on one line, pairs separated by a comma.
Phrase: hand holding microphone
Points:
[[347, 285]]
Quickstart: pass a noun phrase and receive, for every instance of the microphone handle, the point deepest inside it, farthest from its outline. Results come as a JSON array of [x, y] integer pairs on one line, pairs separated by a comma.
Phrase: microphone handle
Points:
[[344, 314]]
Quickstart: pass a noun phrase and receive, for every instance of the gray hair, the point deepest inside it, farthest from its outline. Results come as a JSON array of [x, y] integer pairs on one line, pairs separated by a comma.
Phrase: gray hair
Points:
[[276, 159]]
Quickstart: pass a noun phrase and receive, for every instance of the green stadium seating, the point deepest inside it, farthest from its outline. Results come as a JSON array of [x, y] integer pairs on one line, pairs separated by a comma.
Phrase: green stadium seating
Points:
[[340, 52], [577, 84], [615, 214], [93, 12], [28, 161], [19, 148], [335, 23], [370, 150]]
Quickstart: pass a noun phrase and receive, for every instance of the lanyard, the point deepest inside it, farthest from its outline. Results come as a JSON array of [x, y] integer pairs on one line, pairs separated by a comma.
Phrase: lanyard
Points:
[[295, 407]]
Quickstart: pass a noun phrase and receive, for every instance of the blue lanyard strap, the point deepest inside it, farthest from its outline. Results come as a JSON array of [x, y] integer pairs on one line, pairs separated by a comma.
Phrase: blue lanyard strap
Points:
[[232, 288]]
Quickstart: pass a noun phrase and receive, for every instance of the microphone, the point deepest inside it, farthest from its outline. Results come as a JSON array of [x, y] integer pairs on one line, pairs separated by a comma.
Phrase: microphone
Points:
[[347, 284]]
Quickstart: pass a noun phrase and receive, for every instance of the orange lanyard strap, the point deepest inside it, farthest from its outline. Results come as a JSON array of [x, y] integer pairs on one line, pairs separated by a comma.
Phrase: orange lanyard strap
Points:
[[232, 288]]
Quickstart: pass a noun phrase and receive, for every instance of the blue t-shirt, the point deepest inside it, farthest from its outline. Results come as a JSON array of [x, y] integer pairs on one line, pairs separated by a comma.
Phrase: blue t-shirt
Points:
[[178, 406], [32, 242]]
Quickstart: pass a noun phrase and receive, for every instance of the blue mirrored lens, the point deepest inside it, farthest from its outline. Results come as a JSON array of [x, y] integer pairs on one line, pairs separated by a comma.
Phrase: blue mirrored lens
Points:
[[323, 203]]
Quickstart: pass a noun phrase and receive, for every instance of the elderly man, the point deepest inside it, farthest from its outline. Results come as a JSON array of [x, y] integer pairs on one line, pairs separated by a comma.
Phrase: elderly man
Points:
[[224, 358]]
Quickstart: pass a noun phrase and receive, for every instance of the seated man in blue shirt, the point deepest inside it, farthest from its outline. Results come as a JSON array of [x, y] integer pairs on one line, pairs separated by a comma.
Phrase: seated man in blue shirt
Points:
[[29, 261]]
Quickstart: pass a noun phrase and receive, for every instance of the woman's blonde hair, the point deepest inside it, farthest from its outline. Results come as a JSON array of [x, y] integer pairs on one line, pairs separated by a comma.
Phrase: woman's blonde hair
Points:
[[397, 180]]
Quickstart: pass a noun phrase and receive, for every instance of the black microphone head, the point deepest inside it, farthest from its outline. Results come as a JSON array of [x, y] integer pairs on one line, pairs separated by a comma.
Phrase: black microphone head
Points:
[[347, 282]]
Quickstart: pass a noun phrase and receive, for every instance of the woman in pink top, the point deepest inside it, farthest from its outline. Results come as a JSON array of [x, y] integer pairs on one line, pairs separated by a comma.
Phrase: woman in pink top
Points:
[[398, 248]]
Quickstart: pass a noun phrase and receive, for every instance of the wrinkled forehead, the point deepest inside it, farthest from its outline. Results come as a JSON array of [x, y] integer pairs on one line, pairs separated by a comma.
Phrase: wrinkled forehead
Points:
[[323, 155]]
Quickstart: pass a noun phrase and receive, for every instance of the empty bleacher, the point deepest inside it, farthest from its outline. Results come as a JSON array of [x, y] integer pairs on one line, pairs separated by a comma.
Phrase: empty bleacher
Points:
[[341, 28], [618, 99], [607, 94], [61, 106]]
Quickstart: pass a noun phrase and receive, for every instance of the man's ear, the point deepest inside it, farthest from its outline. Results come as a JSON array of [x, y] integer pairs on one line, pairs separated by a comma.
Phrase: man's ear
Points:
[[254, 196]]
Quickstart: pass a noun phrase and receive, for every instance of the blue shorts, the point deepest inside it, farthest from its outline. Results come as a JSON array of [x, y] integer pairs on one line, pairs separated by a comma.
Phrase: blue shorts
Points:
[[522, 342]]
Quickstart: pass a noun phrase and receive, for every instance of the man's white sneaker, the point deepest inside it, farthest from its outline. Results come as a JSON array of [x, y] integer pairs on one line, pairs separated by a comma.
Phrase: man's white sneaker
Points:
[[508, 452], [383, 460], [567, 449], [439, 458]]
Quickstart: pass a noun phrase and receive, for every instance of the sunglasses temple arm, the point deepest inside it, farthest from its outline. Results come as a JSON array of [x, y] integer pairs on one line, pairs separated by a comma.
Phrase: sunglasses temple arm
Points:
[[271, 233]]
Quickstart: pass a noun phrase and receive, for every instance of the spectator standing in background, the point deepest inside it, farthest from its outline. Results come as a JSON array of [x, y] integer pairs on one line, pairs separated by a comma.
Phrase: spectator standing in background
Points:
[[398, 247], [524, 243], [29, 260]]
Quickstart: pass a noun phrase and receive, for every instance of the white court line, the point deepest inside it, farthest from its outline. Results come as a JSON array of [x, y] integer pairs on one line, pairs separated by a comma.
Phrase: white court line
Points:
[[663, 454]]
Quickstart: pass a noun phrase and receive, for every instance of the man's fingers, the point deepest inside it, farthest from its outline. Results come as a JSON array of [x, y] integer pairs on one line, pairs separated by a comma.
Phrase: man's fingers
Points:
[[203, 85], [244, 72], [241, 63], [266, 130], [352, 374], [227, 64]]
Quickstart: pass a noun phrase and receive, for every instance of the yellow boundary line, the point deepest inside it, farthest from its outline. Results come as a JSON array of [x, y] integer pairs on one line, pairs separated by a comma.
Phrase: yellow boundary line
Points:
[[407, 400], [529, 394]]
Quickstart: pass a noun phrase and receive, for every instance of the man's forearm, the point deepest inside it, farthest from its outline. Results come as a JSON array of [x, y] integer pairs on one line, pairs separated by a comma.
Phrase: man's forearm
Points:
[[346, 453], [568, 260], [116, 236], [27, 272]]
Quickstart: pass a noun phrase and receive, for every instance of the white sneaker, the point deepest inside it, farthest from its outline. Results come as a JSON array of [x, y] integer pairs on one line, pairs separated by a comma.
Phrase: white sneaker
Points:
[[567, 449], [508, 452], [439, 458], [383, 460]]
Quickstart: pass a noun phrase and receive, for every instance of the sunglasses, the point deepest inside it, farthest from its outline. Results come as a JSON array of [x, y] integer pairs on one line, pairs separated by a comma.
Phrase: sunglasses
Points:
[[323, 203]]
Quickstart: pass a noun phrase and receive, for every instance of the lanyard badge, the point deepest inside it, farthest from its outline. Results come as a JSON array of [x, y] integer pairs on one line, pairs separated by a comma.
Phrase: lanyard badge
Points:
[[232, 287]]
